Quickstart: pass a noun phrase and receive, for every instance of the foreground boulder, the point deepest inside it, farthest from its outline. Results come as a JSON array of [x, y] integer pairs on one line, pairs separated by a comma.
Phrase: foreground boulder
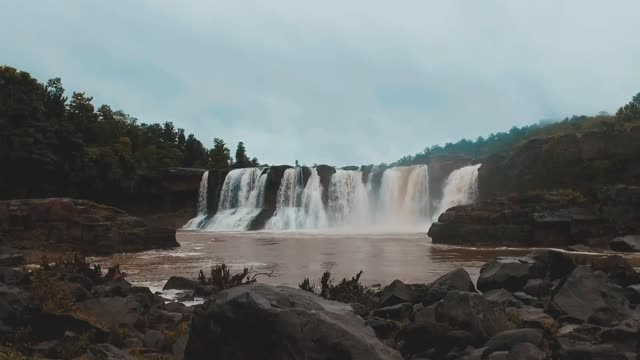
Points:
[[586, 293], [180, 283], [78, 225], [508, 273], [258, 321], [473, 313], [457, 279]]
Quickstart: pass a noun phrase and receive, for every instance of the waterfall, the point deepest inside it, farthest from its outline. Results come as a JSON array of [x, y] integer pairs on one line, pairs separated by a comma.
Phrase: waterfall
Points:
[[393, 199], [348, 199], [299, 207], [460, 188], [404, 196], [196, 222], [241, 199]]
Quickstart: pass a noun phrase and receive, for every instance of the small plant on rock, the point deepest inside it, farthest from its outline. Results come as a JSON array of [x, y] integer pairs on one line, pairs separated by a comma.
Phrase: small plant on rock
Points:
[[221, 277], [347, 290]]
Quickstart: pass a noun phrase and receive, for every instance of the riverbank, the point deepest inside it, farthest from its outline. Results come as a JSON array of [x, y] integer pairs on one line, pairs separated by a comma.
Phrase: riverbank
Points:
[[548, 304]]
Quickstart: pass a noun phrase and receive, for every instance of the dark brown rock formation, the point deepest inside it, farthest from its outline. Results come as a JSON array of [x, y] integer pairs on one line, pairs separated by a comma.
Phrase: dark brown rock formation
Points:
[[78, 225], [579, 162]]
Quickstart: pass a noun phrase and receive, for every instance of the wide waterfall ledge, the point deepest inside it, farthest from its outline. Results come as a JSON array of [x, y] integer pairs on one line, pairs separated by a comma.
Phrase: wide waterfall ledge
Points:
[[396, 199]]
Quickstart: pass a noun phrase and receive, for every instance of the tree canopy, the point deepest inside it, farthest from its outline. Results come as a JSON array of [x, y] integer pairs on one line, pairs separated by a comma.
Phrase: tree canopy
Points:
[[505, 142], [52, 144]]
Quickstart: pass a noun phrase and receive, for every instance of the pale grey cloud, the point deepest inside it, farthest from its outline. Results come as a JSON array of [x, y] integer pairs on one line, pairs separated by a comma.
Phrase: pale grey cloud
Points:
[[338, 82]]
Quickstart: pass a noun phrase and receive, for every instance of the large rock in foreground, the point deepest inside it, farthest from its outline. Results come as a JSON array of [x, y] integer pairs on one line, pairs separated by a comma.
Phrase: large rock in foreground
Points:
[[78, 225], [258, 321]]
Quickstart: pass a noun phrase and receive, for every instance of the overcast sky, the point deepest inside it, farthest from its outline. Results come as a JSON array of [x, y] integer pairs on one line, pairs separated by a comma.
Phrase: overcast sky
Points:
[[338, 82]]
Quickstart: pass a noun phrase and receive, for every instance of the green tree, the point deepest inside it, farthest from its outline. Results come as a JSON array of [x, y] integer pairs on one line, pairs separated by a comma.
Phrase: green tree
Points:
[[630, 111], [219, 155], [242, 160]]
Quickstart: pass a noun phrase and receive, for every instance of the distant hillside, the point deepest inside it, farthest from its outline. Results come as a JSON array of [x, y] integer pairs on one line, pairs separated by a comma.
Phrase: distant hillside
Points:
[[504, 142]]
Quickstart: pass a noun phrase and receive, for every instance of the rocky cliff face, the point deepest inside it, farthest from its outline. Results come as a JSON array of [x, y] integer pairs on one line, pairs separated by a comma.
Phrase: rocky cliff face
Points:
[[67, 224], [439, 169], [561, 218], [581, 162]]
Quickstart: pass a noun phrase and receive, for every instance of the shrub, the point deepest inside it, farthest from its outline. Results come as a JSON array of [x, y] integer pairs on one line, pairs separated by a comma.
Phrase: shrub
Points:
[[346, 291], [221, 277]]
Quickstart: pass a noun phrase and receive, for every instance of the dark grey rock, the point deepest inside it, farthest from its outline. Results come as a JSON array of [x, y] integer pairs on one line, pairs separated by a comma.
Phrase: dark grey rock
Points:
[[258, 321], [537, 288], [396, 312], [508, 273], [525, 351], [180, 283], [113, 311], [395, 293], [154, 339], [384, 329], [107, 352], [629, 243], [507, 339], [11, 259], [457, 279], [502, 298], [633, 293], [473, 313], [586, 291]]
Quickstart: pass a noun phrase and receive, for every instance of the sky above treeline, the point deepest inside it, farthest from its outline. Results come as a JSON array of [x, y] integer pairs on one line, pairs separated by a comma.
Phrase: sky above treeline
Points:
[[337, 82]]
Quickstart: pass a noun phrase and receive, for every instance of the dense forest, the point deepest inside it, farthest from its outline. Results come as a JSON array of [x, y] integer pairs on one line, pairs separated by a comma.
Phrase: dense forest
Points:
[[55, 145], [504, 142]]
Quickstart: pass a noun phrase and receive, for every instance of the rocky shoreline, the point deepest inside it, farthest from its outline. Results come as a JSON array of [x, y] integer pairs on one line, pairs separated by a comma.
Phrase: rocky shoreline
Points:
[[37, 227], [549, 304]]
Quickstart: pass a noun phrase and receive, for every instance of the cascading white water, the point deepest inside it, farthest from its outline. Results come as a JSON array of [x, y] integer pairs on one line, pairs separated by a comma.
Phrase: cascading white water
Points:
[[460, 188], [404, 196], [394, 199], [196, 222], [348, 199], [299, 207], [240, 199]]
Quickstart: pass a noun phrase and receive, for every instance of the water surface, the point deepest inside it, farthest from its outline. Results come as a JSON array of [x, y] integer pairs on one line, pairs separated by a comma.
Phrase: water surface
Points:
[[292, 256]]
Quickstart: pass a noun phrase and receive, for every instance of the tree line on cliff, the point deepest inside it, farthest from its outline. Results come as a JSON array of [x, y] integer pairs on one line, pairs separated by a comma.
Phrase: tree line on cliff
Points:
[[505, 142], [55, 145]]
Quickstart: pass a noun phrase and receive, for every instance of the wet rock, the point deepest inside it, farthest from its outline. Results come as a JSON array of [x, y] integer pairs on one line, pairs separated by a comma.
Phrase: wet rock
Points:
[[384, 329], [425, 315], [507, 273], [507, 339], [435, 338], [299, 325], [633, 293], [532, 317], [586, 291], [473, 313], [502, 298], [154, 339], [11, 259], [537, 288], [107, 352], [113, 311], [180, 283], [396, 312], [629, 243], [555, 264], [527, 299], [15, 303], [457, 279], [112, 288], [12, 276], [525, 351], [617, 269], [395, 293]]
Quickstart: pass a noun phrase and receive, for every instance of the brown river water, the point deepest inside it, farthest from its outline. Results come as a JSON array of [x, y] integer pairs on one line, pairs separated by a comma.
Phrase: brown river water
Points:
[[292, 256]]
